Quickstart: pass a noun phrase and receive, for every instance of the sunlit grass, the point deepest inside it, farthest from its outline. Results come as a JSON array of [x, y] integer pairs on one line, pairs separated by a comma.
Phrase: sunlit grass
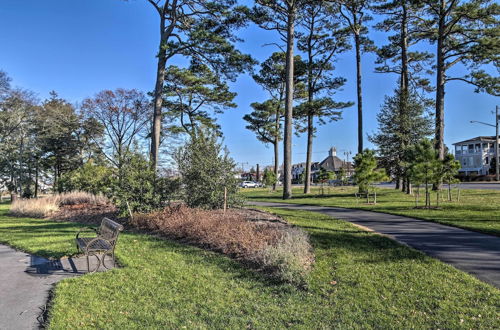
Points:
[[360, 280], [477, 210]]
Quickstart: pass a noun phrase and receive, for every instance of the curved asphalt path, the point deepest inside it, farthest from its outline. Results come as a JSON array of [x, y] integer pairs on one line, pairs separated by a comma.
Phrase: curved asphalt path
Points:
[[474, 253], [25, 283]]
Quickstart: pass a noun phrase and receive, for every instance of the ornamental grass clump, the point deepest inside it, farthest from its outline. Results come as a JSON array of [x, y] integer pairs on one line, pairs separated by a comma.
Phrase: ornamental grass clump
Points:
[[34, 208], [275, 248], [290, 258], [47, 206], [80, 197]]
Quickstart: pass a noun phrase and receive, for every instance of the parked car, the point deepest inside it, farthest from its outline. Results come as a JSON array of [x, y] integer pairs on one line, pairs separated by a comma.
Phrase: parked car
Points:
[[248, 184]]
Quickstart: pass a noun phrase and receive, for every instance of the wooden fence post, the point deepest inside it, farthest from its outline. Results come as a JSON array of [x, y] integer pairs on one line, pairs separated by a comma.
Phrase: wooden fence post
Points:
[[225, 199]]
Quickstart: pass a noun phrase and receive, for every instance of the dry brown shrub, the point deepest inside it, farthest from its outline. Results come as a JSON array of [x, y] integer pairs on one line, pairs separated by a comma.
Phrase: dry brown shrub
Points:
[[274, 247]]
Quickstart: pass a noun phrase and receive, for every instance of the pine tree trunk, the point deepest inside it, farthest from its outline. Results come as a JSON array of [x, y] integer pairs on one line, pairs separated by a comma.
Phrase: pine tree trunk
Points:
[[440, 83], [357, 43], [158, 98], [404, 93], [310, 114], [287, 142], [36, 178], [276, 161], [310, 133]]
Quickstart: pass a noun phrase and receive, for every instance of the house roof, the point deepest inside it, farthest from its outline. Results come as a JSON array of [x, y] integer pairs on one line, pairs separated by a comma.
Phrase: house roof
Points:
[[478, 139], [332, 163], [299, 165]]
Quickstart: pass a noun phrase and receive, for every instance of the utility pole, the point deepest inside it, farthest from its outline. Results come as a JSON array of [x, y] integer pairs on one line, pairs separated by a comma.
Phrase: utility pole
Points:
[[497, 121], [496, 144]]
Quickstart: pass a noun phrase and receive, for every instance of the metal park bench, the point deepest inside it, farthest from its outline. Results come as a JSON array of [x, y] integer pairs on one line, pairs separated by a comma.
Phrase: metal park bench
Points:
[[103, 243]]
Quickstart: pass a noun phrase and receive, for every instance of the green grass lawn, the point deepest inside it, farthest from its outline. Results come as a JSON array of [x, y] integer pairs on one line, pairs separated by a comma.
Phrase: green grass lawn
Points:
[[162, 284], [477, 210]]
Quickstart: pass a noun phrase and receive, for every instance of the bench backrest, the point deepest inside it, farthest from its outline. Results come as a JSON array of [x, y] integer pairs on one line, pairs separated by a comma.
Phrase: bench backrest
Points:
[[109, 230]]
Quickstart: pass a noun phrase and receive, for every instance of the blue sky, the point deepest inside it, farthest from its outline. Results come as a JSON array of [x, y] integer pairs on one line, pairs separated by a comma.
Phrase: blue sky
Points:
[[80, 47]]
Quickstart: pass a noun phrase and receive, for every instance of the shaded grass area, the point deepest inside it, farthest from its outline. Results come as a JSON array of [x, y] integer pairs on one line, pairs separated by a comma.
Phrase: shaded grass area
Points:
[[477, 210], [360, 280]]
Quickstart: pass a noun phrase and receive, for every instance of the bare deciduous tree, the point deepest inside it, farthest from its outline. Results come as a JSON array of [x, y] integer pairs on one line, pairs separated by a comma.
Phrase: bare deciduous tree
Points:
[[124, 114]]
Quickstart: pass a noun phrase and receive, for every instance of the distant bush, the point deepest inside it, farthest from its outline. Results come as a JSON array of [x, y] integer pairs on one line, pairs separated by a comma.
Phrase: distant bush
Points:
[[134, 186], [277, 249], [91, 177]]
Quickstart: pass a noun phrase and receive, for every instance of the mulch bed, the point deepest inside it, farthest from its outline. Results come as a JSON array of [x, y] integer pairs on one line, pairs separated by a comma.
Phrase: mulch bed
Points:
[[93, 214], [87, 213]]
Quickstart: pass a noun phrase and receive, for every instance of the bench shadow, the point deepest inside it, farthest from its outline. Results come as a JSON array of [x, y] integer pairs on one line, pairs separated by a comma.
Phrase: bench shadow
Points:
[[65, 267]]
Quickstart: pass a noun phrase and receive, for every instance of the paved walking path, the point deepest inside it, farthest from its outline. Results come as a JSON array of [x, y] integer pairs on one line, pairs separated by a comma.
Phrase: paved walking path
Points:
[[475, 253], [25, 282]]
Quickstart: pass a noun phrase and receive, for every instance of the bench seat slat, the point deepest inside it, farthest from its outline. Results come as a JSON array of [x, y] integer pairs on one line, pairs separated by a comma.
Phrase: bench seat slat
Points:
[[98, 245]]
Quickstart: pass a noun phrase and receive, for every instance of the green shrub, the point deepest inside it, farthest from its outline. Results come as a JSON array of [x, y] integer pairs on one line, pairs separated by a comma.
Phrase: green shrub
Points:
[[92, 178], [367, 172], [206, 171], [140, 190], [269, 178]]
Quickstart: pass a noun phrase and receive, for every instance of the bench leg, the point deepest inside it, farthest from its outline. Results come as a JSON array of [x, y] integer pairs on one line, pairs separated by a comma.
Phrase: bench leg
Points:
[[99, 261], [112, 255]]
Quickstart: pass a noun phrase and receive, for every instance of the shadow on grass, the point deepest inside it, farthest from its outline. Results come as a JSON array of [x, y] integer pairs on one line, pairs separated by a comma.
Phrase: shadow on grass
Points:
[[201, 257], [380, 249]]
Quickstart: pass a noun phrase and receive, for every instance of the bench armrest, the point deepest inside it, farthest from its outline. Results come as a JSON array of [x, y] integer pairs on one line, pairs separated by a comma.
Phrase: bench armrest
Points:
[[85, 229]]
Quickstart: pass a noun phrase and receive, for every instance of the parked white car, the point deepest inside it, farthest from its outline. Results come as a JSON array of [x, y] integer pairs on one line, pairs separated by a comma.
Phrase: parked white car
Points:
[[248, 184]]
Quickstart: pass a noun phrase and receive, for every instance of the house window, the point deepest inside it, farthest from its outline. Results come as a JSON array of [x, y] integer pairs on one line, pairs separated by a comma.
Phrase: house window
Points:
[[478, 147], [471, 148], [486, 161]]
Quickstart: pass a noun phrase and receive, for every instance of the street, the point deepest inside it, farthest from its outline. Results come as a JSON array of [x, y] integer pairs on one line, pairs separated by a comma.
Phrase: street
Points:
[[463, 185]]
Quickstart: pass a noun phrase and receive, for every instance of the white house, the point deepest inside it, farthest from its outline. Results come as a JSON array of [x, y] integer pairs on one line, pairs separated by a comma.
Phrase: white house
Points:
[[475, 154]]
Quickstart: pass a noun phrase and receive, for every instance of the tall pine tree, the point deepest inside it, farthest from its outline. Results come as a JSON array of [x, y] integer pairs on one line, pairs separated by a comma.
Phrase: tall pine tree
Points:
[[466, 33], [281, 16], [321, 39], [401, 17], [393, 129], [355, 15]]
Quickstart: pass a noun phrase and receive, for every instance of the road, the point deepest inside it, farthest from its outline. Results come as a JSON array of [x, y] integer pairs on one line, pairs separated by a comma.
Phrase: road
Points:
[[463, 185]]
